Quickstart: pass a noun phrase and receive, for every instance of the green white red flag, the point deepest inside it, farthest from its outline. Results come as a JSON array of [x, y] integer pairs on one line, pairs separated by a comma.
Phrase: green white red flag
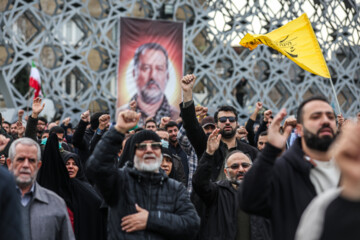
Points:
[[35, 81]]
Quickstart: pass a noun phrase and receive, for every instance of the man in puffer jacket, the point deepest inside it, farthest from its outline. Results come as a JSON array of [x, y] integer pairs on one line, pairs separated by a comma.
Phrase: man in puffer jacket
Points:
[[143, 202]]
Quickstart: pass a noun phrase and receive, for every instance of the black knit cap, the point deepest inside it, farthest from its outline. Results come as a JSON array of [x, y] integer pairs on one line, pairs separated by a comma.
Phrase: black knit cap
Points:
[[144, 135]]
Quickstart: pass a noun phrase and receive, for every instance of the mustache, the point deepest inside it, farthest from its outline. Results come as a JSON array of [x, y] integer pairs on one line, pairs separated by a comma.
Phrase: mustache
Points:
[[152, 155], [324, 126], [25, 171], [152, 82], [240, 174]]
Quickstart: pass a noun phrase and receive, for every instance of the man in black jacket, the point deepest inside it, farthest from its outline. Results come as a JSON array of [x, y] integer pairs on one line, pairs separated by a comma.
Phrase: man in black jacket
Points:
[[281, 188], [224, 219], [226, 120], [143, 202]]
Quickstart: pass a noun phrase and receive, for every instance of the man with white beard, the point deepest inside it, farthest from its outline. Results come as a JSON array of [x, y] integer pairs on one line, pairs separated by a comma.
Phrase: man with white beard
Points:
[[143, 202], [223, 218]]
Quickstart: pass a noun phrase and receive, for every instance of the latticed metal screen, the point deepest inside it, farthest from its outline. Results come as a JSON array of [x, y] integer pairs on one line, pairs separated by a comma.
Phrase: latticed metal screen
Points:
[[74, 44]]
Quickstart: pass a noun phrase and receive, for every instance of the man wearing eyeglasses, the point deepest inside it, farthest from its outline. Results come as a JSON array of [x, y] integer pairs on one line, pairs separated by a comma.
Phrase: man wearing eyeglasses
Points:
[[225, 119], [143, 202], [224, 219]]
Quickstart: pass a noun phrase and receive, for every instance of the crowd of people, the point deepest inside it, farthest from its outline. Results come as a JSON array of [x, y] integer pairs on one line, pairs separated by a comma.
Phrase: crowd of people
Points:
[[196, 177]]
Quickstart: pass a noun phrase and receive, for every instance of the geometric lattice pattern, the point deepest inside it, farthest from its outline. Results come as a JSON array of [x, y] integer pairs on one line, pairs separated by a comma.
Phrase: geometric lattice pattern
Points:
[[75, 46]]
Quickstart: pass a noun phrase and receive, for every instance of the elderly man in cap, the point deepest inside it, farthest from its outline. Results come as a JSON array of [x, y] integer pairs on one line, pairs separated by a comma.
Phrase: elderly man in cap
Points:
[[143, 202], [208, 124]]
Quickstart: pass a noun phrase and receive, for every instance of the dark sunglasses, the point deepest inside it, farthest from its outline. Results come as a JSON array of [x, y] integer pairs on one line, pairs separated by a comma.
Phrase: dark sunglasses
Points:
[[236, 165], [223, 119], [143, 146]]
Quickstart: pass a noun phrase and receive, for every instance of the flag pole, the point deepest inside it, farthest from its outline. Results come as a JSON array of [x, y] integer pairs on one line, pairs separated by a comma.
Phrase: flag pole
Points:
[[336, 99]]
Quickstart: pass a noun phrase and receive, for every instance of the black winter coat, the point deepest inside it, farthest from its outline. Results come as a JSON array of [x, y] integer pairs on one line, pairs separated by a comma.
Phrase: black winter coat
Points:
[[280, 190], [171, 214], [222, 206]]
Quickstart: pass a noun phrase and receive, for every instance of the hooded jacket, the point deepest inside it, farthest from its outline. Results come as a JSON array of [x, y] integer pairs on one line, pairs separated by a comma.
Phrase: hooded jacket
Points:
[[171, 214]]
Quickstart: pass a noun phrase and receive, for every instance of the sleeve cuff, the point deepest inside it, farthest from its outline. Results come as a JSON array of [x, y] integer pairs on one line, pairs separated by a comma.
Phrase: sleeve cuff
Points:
[[187, 104]]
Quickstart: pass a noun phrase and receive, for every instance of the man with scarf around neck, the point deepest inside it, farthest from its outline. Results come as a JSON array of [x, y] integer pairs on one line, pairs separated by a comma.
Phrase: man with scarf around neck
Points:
[[223, 218], [143, 202]]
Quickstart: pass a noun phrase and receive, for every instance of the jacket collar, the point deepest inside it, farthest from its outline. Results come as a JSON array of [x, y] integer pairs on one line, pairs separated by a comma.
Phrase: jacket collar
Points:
[[295, 157], [40, 194], [155, 178]]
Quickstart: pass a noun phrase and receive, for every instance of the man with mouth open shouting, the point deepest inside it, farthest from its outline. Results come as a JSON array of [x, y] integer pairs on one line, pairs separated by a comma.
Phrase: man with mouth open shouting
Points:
[[224, 219]]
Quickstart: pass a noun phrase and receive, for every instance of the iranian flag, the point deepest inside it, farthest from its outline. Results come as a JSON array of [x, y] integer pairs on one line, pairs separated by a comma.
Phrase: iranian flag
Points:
[[34, 80]]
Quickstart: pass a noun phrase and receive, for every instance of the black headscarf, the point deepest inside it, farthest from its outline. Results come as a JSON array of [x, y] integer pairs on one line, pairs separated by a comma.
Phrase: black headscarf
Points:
[[80, 174], [129, 148], [80, 197]]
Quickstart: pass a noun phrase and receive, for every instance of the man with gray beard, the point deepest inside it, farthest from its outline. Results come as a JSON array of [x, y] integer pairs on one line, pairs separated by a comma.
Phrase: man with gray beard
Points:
[[143, 202]]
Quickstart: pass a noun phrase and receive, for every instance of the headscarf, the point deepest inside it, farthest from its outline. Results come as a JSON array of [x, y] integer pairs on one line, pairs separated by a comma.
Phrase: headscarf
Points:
[[80, 197]]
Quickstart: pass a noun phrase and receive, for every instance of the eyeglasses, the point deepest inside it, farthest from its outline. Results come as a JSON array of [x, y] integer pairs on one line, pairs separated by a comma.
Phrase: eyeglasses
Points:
[[243, 165], [143, 146], [223, 119]]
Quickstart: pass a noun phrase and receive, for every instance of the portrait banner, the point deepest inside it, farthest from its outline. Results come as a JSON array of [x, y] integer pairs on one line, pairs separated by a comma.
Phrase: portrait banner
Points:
[[150, 66]]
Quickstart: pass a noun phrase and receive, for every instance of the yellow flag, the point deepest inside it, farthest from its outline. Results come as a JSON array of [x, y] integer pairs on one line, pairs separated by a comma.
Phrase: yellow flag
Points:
[[297, 41]]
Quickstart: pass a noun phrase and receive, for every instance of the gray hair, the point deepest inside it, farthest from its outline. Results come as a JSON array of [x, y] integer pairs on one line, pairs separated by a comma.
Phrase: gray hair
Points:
[[232, 153], [24, 141]]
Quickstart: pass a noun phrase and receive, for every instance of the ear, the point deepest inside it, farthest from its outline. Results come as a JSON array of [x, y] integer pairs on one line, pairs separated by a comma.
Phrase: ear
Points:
[[8, 163], [225, 171], [39, 164], [299, 129]]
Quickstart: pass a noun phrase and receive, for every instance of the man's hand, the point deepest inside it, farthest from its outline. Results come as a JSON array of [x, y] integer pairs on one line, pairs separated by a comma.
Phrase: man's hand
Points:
[[85, 116], [104, 121], [133, 105], [2, 159], [136, 221], [201, 112], [20, 129], [3, 142], [37, 107], [346, 151], [267, 115], [126, 120], [164, 121], [258, 107], [213, 142], [275, 138], [66, 121], [290, 121], [241, 131], [20, 115], [187, 84], [340, 120]]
